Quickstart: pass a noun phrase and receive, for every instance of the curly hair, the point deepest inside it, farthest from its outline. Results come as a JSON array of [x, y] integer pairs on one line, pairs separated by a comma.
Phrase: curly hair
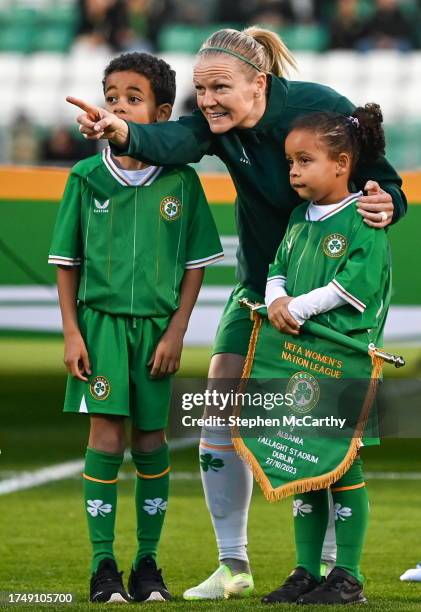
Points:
[[159, 74], [359, 134]]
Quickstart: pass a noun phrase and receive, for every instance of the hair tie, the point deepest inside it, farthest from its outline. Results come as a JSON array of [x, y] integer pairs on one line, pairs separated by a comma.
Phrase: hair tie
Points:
[[237, 55], [353, 121]]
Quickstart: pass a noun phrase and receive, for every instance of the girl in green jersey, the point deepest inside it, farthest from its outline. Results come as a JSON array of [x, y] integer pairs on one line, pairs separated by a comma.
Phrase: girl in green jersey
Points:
[[332, 268], [246, 108]]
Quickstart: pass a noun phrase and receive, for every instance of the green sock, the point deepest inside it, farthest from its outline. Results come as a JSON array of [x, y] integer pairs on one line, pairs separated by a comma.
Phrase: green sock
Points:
[[350, 501], [152, 484], [100, 493], [311, 512]]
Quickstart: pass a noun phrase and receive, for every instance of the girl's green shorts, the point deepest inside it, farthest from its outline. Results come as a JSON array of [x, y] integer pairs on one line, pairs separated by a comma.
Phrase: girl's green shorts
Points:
[[119, 349]]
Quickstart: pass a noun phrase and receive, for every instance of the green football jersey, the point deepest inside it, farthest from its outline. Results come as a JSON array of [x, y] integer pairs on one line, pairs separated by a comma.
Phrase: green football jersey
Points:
[[133, 243], [339, 248], [256, 162]]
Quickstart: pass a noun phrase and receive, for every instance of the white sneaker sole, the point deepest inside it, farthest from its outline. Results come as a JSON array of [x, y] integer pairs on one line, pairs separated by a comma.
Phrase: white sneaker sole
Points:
[[116, 598], [156, 596]]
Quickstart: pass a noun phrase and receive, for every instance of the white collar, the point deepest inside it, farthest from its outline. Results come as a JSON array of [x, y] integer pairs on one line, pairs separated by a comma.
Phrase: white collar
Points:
[[320, 212], [119, 175]]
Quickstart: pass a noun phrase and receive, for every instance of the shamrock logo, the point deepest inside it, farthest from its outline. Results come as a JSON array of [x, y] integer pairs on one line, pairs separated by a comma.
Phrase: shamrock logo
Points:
[[335, 245], [299, 508], [97, 506], [342, 512], [305, 390], [208, 462], [154, 506], [170, 208], [302, 392], [100, 388]]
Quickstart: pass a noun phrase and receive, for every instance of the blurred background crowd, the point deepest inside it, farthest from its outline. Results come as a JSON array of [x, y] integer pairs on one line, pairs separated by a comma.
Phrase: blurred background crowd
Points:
[[370, 50]]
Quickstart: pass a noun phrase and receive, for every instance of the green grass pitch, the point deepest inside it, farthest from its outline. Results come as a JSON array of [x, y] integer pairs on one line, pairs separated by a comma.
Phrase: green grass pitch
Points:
[[44, 545]]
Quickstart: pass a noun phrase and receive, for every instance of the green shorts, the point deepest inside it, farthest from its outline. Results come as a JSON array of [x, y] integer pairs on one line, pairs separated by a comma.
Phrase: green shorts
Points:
[[119, 349], [234, 330]]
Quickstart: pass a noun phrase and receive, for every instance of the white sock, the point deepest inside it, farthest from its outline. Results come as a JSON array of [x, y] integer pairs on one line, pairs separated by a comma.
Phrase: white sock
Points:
[[227, 484], [329, 544]]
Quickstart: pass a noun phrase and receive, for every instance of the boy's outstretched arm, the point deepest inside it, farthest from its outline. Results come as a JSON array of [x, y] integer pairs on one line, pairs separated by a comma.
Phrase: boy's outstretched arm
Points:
[[166, 356], [75, 354]]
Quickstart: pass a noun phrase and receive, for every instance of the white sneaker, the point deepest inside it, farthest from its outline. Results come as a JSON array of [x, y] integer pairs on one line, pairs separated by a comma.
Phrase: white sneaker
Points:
[[412, 575], [222, 584]]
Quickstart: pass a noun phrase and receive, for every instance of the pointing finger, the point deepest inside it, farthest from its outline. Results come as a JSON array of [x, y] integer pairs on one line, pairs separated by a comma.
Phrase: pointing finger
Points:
[[85, 106]]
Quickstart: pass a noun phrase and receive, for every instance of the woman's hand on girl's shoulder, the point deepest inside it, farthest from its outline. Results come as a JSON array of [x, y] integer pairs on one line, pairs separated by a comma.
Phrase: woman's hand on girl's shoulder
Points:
[[377, 206]]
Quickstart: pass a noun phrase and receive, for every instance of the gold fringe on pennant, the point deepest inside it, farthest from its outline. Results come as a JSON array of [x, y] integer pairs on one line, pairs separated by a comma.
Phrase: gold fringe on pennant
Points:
[[316, 483], [258, 320]]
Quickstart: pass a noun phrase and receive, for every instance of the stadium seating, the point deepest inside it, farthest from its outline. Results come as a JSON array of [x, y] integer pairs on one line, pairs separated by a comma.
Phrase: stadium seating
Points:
[[37, 25], [391, 79], [187, 38], [39, 67]]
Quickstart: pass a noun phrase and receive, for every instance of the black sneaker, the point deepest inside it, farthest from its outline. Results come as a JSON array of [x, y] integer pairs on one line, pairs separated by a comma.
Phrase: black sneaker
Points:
[[107, 584], [340, 588], [297, 583], [146, 583]]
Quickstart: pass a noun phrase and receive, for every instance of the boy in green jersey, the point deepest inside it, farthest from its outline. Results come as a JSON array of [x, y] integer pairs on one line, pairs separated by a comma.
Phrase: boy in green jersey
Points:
[[333, 268], [131, 242]]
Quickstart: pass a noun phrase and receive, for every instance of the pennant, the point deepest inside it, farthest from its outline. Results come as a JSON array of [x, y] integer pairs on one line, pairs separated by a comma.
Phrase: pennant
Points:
[[325, 385]]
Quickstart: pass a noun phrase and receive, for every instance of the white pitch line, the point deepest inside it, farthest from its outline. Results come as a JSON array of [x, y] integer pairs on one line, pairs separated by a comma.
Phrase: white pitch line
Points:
[[62, 471], [368, 475], [28, 480], [393, 475], [69, 469]]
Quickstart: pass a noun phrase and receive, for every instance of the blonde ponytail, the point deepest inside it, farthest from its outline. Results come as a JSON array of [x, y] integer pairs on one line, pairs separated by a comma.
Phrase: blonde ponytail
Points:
[[259, 48], [279, 57]]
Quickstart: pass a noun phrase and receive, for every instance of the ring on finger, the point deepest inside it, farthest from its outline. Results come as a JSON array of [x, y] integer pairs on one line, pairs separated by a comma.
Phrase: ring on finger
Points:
[[383, 216]]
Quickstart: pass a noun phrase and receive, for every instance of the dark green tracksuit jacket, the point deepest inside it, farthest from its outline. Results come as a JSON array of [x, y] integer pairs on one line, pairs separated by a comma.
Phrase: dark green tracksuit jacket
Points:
[[256, 161]]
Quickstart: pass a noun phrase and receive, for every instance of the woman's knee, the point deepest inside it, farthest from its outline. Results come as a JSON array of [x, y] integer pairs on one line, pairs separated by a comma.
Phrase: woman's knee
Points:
[[226, 365]]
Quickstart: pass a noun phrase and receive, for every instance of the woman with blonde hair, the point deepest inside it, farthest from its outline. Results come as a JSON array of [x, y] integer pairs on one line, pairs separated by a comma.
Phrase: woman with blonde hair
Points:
[[246, 107]]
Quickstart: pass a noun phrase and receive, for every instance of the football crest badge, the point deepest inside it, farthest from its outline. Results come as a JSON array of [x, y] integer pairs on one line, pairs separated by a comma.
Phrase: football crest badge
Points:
[[170, 208], [305, 391], [335, 245], [99, 388]]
